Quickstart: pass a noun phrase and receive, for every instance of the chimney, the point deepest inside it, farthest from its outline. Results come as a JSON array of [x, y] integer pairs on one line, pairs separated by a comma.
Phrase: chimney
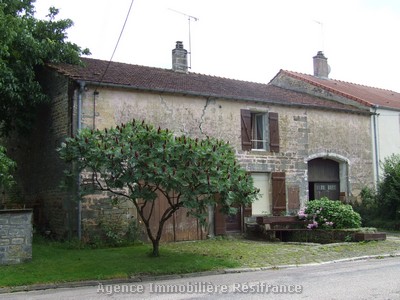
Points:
[[321, 67], [179, 58]]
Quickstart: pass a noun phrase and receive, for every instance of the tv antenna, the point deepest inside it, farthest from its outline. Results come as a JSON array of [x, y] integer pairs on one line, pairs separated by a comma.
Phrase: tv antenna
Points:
[[190, 18], [322, 33]]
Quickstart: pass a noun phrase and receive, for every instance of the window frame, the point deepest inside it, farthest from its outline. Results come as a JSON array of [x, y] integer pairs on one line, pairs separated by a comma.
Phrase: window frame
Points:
[[259, 136], [271, 130]]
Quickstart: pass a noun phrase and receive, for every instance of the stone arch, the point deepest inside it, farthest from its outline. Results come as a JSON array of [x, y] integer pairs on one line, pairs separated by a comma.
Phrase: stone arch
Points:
[[344, 169]]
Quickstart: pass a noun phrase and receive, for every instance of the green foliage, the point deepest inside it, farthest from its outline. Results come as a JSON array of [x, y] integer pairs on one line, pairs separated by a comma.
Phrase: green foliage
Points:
[[7, 167], [117, 231], [26, 45], [381, 208], [54, 263], [137, 161], [388, 197], [367, 207], [332, 213]]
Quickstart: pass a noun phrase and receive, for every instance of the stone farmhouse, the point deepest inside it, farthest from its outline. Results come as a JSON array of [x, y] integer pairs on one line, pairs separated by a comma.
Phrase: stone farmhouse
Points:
[[384, 105], [296, 144]]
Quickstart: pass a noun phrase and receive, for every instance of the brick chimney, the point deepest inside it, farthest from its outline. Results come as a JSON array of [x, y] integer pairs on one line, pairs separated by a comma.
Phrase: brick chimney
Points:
[[179, 58], [321, 67]]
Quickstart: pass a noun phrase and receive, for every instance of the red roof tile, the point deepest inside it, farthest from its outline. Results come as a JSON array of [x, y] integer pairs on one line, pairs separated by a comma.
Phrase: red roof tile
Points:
[[164, 80], [369, 96]]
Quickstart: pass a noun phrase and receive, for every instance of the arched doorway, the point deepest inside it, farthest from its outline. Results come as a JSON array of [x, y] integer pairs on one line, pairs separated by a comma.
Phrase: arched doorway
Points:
[[323, 179]]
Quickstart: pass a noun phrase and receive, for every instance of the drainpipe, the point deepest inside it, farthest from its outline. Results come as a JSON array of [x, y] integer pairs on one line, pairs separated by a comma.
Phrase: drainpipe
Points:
[[375, 142], [78, 179]]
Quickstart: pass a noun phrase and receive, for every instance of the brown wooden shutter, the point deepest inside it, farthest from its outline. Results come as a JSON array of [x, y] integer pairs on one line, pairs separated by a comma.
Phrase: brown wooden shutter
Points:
[[245, 116], [278, 193], [293, 197], [273, 132]]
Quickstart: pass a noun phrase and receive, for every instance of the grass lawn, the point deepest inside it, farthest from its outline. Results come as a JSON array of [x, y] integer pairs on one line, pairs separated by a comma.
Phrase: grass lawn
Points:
[[54, 262]]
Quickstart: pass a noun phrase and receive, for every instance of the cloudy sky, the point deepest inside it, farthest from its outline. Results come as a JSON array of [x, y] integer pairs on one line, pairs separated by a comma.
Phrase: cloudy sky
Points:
[[247, 40]]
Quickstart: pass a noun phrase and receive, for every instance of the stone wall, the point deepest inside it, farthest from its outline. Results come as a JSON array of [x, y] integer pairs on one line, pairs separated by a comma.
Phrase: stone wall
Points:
[[305, 133], [41, 176], [15, 236]]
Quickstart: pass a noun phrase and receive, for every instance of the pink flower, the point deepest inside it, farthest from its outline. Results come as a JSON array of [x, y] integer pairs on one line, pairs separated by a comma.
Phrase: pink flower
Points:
[[313, 225], [301, 214]]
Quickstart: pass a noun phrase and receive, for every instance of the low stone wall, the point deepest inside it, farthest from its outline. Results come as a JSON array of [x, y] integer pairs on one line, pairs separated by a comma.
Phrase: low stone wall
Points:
[[15, 236]]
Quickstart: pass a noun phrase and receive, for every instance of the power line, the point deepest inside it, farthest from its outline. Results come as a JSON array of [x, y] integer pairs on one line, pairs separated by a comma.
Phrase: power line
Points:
[[116, 45], [108, 65]]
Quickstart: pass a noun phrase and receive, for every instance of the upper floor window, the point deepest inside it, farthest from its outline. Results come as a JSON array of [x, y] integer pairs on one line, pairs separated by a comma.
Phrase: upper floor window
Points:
[[260, 131]]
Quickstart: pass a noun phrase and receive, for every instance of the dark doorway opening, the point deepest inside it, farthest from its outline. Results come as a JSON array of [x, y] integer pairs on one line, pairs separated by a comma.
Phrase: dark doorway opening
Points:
[[323, 179]]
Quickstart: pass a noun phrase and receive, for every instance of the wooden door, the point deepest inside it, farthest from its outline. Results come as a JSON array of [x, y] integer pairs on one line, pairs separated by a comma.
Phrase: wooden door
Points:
[[278, 193], [234, 222]]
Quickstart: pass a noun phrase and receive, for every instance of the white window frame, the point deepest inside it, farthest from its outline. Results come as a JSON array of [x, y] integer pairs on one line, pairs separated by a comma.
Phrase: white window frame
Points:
[[260, 143]]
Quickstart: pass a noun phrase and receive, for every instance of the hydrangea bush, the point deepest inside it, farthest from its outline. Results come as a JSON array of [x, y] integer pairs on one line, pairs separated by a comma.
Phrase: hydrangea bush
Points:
[[325, 213]]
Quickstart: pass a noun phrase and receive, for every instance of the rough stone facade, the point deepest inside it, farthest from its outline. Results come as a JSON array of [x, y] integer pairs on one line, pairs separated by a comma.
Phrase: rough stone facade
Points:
[[305, 133], [15, 236]]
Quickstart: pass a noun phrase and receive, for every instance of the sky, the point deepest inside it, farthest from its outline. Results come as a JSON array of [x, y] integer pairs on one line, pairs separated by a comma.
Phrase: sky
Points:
[[246, 40]]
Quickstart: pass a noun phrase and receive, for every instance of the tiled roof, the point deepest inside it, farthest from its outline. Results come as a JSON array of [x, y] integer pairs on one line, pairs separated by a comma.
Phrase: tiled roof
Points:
[[168, 81], [369, 96]]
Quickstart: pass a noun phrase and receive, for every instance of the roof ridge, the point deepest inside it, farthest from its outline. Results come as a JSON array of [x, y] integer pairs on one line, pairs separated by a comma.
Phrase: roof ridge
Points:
[[156, 79], [227, 78], [331, 89], [348, 82], [164, 69]]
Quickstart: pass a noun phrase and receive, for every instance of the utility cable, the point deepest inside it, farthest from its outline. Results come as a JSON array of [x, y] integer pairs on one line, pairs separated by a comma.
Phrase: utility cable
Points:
[[95, 93], [116, 45]]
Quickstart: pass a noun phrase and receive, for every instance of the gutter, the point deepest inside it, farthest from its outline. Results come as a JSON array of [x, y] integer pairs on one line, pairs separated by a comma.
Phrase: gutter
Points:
[[375, 143], [78, 179]]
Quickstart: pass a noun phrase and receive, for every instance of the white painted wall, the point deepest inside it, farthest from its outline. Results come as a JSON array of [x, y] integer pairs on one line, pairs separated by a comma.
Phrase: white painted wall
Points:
[[389, 133], [387, 139]]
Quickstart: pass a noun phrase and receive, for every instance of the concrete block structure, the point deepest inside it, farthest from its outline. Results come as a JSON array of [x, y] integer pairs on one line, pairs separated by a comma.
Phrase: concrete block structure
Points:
[[15, 236]]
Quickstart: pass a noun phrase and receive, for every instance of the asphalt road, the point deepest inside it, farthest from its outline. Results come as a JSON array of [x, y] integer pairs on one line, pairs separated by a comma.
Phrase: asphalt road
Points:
[[363, 279]]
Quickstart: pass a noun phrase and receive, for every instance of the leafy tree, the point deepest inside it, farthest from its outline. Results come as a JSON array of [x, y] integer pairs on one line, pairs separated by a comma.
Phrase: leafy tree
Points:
[[7, 167], [135, 161], [27, 44], [388, 196]]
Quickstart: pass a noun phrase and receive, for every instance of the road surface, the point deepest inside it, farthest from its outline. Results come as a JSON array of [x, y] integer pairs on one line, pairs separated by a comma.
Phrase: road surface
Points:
[[363, 279]]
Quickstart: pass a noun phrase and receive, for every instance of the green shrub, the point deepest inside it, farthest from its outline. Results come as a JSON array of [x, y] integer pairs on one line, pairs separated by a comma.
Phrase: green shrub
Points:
[[367, 207], [327, 213], [116, 230], [389, 189], [381, 208]]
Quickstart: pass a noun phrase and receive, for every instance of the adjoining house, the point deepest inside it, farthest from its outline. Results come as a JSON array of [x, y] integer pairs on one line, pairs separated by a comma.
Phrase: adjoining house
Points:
[[384, 105], [297, 146]]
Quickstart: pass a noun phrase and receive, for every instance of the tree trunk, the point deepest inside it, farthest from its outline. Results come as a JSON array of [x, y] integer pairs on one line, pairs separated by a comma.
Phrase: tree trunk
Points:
[[156, 244]]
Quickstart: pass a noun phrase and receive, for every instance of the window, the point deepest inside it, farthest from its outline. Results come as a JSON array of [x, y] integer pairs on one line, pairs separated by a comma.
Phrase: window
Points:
[[258, 128], [260, 131]]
